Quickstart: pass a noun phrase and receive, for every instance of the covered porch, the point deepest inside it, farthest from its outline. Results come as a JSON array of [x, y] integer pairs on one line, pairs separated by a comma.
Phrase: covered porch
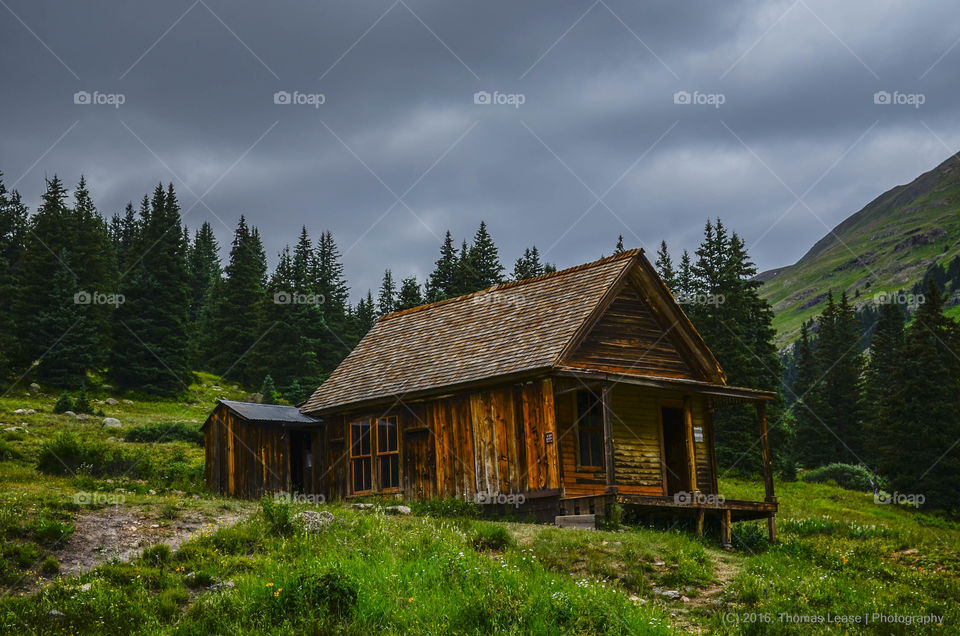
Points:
[[658, 450]]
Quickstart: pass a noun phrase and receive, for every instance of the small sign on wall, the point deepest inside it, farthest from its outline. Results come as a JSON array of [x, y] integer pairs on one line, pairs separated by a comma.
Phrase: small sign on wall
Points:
[[548, 438], [698, 434]]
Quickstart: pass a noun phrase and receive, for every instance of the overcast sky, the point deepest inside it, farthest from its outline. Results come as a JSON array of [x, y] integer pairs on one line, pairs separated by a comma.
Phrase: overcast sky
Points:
[[783, 137]]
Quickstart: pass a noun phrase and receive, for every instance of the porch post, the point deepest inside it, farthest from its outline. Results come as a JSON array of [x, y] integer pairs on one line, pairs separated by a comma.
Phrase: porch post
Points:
[[691, 455], [608, 438], [765, 450]]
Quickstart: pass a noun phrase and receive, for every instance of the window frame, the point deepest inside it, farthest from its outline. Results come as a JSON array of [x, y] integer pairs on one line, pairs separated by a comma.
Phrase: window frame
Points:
[[591, 428], [374, 455], [355, 458], [395, 453]]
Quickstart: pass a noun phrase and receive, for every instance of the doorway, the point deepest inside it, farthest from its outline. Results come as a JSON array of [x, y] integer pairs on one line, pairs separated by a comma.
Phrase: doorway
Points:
[[301, 461], [674, 450]]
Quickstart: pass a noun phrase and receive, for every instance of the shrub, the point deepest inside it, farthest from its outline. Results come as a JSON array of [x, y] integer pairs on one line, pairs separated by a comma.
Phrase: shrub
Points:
[[64, 404], [50, 565], [67, 454], [277, 515], [8, 452], [844, 475], [157, 555], [490, 536], [165, 432], [82, 403], [334, 591]]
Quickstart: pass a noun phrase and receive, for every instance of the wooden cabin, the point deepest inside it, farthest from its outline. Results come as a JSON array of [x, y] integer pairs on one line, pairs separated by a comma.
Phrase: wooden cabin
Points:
[[254, 449], [562, 395]]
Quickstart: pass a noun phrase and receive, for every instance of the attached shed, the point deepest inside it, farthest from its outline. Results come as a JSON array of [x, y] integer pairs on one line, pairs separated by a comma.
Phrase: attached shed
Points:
[[255, 449]]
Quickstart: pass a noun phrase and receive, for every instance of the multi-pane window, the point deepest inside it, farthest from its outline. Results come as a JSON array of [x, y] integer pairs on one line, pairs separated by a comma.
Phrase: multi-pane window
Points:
[[388, 452], [360, 455], [375, 454], [589, 429]]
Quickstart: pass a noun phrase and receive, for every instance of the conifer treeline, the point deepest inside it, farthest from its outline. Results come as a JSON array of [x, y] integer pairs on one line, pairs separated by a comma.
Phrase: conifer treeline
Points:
[[139, 301], [894, 408]]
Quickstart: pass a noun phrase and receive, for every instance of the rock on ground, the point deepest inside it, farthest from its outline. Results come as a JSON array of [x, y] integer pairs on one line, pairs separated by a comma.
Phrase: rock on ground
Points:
[[111, 422], [314, 521], [397, 510]]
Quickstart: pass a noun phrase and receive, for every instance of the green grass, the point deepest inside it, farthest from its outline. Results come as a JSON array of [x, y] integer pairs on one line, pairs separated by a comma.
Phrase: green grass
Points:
[[441, 570]]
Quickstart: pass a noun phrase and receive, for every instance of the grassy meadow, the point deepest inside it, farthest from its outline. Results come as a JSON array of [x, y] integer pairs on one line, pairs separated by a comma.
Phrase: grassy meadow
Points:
[[85, 550]]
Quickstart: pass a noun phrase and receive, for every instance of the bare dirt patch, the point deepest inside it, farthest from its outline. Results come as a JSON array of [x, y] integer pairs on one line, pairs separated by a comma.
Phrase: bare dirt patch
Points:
[[122, 532]]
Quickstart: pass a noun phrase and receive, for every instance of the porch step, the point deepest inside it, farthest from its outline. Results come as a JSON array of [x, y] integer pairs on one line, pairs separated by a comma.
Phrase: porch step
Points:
[[578, 522]]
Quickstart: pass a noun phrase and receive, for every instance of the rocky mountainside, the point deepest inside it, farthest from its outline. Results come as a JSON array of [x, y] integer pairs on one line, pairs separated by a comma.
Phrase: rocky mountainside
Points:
[[885, 247]]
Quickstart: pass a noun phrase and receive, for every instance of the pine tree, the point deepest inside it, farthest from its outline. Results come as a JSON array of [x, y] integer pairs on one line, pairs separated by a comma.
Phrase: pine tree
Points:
[[683, 286], [269, 391], [152, 329], [619, 248], [529, 265], [921, 455], [724, 304], [464, 276], [336, 336], [238, 316], [203, 259], [484, 260], [441, 283], [664, 266], [387, 299], [13, 230], [365, 315], [879, 388], [409, 293]]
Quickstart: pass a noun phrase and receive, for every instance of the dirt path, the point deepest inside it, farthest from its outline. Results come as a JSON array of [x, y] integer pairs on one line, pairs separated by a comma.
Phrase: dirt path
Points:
[[122, 532], [725, 568]]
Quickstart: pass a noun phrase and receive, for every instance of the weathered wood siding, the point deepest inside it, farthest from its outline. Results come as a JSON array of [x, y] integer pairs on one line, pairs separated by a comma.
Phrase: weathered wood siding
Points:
[[628, 339], [243, 459], [636, 443]]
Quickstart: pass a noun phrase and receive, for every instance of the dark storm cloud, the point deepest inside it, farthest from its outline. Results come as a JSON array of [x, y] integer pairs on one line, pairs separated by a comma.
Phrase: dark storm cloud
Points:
[[399, 152]]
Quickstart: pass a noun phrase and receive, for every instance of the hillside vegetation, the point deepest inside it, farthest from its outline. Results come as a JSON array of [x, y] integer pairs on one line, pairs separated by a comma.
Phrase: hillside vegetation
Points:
[[77, 555], [885, 247]]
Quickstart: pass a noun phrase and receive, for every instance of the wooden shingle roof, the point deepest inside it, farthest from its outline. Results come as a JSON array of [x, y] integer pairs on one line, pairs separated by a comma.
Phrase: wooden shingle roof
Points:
[[508, 330]]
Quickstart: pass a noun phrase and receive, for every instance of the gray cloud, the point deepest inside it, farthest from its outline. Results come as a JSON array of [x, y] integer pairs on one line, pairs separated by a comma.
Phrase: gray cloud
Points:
[[399, 120]]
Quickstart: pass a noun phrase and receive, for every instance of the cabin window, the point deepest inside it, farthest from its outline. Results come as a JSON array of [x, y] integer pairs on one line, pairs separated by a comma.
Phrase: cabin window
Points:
[[589, 430], [360, 455], [388, 452]]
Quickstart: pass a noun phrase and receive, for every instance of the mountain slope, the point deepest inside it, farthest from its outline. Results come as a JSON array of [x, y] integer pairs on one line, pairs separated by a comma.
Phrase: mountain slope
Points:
[[884, 247]]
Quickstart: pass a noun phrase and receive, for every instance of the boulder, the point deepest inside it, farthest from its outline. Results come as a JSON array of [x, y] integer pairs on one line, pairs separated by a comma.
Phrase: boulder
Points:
[[128, 402], [313, 521], [111, 422], [111, 402], [361, 506], [69, 414], [222, 585], [83, 416], [397, 510], [34, 387]]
